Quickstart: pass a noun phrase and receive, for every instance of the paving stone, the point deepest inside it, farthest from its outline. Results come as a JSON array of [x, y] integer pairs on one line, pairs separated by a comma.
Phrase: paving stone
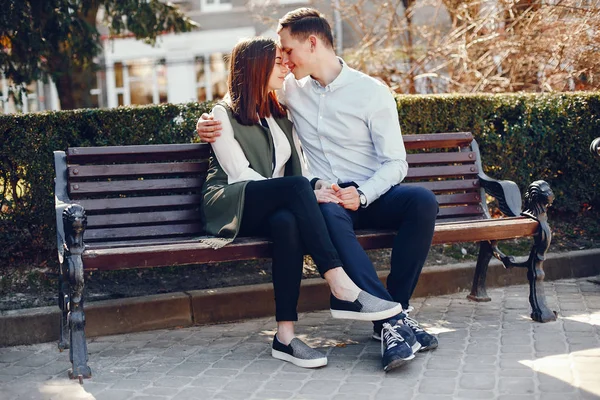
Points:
[[477, 381], [130, 384], [200, 393], [321, 387], [272, 395], [160, 391], [486, 351], [357, 388], [475, 394], [446, 363], [516, 385], [437, 386], [110, 394], [188, 369], [220, 372], [172, 381], [282, 385]]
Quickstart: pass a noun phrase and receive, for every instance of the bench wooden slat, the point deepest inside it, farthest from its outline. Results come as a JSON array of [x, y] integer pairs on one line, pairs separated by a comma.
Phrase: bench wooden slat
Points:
[[143, 231], [446, 171], [448, 185], [133, 186], [143, 218], [251, 248], [437, 140], [441, 158], [121, 170], [175, 254], [141, 153], [140, 203], [141, 242], [459, 198], [460, 210], [465, 231]]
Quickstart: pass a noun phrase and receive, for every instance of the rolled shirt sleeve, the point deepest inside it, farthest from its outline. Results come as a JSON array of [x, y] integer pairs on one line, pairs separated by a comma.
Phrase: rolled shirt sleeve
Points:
[[382, 121]]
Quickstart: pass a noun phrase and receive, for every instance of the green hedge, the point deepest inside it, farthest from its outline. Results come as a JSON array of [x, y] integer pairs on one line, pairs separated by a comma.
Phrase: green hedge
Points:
[[522, 138]]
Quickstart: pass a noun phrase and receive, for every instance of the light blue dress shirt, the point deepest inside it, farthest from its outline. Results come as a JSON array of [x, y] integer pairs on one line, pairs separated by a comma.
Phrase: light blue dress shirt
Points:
[[349, 130]]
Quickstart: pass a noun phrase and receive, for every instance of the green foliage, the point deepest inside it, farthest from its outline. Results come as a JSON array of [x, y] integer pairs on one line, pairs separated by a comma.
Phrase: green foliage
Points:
[[522, 138], [27, 142]]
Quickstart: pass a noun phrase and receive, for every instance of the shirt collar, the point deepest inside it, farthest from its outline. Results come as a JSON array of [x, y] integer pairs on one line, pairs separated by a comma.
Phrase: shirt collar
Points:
[[343, 78]]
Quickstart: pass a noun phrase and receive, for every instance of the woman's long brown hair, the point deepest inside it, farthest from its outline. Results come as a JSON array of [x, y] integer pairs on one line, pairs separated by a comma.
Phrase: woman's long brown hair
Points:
[[252, 61]]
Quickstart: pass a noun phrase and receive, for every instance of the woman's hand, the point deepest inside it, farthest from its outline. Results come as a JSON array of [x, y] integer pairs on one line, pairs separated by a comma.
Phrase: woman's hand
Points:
[[208, 129]]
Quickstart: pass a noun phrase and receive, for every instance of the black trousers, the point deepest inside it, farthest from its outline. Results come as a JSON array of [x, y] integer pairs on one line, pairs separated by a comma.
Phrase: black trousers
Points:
[[286, 210]]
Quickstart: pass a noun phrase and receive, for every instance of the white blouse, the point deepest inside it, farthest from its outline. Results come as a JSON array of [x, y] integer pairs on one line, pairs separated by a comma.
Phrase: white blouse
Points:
[[231, 157]]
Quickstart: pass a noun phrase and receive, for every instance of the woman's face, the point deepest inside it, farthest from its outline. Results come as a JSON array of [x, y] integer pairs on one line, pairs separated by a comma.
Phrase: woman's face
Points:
[[278, 73]]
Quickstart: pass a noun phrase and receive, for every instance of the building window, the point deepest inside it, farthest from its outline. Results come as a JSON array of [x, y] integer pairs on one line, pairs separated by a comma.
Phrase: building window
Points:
[[99, 82], [142, 81], [147, 82], [211, 76], [215, 5]]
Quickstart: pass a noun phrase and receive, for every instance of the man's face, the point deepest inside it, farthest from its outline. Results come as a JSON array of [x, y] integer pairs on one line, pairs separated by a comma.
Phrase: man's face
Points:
[[297, 54]]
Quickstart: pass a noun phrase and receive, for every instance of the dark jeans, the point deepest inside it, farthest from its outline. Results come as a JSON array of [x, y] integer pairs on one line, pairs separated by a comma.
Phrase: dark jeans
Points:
[[410, 210], [286, 210]]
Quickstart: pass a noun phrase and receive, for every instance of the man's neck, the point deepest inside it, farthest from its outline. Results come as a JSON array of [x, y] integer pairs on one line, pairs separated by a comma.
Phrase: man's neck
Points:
[[328, 70]]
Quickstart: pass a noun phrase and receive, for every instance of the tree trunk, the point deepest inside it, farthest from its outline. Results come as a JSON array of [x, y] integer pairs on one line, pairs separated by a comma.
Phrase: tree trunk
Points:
[[73, 76]]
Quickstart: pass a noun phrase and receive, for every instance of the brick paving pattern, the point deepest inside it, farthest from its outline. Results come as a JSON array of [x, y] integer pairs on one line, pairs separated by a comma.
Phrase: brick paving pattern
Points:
[[487, 351]]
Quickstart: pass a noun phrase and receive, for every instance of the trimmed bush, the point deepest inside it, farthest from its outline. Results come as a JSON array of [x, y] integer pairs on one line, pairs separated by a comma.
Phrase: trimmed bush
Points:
[[522, 137]]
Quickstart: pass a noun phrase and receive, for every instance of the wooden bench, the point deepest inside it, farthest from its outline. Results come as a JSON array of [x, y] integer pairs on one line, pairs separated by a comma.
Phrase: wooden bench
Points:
[[139, 207]]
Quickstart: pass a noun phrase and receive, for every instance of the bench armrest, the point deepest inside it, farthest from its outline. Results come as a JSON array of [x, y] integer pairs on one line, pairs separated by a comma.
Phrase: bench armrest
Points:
[[61, 200], [506, 192]]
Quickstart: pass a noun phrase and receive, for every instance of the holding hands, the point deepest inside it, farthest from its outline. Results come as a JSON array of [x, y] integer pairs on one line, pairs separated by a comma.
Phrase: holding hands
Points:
[[327, 192]]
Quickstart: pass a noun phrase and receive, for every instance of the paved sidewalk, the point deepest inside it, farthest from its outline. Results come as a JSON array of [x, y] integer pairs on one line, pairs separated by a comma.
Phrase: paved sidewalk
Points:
[[487, 351]]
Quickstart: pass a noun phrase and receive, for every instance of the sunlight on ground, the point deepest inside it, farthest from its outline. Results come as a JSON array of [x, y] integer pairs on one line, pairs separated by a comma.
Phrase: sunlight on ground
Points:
[[578, 369], [55, 389], [590, 319]]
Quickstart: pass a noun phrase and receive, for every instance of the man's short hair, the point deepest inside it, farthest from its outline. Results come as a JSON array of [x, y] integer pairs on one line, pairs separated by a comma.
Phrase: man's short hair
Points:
[[304, 22]]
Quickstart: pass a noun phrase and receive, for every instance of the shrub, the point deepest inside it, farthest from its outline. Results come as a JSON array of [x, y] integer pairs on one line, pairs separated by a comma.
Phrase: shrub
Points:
[[523, 137]]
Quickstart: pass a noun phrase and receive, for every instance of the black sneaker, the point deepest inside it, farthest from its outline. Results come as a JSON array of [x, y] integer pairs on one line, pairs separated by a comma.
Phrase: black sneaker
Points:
[[405, 332], [427, 340], [298, 353], [395, 351], [365, 308]]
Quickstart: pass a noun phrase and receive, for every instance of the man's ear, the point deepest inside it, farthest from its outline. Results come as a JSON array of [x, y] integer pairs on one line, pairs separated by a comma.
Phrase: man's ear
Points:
[[313, 41]]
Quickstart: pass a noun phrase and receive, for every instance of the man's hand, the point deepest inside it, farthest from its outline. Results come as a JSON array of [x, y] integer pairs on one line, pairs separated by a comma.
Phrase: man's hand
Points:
[[326, 195], [348, 196], [208, 129]]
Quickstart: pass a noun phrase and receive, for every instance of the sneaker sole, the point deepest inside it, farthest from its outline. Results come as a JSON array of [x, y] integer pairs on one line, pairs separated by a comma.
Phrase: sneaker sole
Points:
[[416, 347], [429, 347], [362, 316], [316, 363], [397, 363]]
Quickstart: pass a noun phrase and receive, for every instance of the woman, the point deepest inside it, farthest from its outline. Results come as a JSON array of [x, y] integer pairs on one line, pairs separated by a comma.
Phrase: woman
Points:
[[255, 187]]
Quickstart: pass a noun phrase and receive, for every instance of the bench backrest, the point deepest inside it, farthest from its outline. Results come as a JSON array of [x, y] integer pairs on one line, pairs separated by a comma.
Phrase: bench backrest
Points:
[[140, 194]]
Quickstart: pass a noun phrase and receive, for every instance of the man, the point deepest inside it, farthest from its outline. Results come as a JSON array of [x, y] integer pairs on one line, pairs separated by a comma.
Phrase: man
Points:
[[348, 126]]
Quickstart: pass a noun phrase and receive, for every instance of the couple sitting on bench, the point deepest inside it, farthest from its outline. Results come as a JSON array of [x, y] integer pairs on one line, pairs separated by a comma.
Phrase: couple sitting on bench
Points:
[[345, 175]]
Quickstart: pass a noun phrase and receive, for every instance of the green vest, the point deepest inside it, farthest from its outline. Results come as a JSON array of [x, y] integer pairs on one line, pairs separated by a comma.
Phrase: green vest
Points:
[[223, 204]]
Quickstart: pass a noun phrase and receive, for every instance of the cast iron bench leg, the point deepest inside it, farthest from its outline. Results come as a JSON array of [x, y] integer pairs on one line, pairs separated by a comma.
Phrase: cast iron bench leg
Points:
[[63, 303], [75, 221], [538, 198], [478, 291]]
